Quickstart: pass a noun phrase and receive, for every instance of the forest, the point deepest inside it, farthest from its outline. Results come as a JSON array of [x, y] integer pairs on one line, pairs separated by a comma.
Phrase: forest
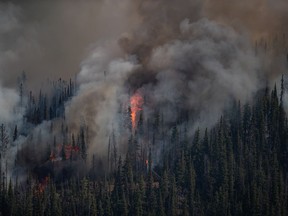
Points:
[[143, 107], [237, 167]]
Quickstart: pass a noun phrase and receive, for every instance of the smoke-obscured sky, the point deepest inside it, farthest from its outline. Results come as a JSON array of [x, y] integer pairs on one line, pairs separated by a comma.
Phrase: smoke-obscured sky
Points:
[[49, 39], [196, 55]]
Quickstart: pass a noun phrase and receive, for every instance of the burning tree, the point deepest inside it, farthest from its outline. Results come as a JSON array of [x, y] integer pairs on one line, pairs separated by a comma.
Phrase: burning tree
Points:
[[136, 102]]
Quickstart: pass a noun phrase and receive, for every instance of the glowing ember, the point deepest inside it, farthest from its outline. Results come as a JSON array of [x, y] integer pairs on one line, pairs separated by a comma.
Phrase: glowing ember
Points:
[[136, 102], [40, 188], [69, 150]]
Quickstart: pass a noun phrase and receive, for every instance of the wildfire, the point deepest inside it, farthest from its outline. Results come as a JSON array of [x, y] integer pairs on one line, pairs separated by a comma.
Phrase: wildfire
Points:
[[41, 187], [69, 151], [136, 102]]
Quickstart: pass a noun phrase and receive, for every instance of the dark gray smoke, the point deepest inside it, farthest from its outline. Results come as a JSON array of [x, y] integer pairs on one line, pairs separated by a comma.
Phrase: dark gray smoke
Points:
[[49, 39], [261, 19], [196, 56], [202, 70]]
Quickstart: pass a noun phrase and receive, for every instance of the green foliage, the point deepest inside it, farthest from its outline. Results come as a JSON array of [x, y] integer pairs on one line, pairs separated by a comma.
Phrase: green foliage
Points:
[[238, 167]]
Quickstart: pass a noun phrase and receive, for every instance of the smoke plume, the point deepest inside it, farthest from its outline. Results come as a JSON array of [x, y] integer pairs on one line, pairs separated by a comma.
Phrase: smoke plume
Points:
[[49, 39], [203, 70], [181, 56]]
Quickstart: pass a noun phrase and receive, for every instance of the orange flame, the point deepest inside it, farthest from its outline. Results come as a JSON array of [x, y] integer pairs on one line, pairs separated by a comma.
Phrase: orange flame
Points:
[[41, 187], [136, 102], [146, 162]]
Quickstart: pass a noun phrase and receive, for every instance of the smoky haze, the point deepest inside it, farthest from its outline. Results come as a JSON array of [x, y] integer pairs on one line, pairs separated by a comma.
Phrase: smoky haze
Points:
[[260, 18], [180, 55], [49, 39]]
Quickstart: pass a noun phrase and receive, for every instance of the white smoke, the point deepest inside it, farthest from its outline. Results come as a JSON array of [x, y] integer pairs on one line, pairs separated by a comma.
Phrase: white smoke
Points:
[[208, 66], [103, 76], [203, 70], [197, 65]]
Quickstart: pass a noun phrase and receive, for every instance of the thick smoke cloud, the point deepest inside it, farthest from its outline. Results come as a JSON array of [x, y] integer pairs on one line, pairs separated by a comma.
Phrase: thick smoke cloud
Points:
[[203, 70], [260, 18], [101, 94], [8, 97], [49, 39], [176, 58], [181, 55]]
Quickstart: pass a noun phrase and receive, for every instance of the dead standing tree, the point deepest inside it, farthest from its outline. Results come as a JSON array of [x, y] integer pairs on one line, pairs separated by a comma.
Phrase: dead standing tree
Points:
[[4, 142]]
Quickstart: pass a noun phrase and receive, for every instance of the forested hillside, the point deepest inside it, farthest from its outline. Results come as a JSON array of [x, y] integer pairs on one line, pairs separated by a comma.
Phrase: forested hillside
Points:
[[143, 107], [239, 167]]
